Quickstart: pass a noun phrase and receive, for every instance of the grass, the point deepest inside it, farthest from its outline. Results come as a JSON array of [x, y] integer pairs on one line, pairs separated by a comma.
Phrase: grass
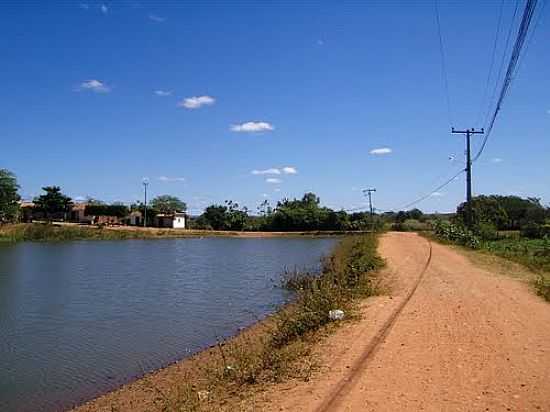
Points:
[[41, 232], [283, 349], [532, 253]]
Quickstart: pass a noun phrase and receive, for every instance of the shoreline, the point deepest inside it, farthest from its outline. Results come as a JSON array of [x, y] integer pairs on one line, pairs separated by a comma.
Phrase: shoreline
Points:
[[137, 389], [221, 375], [41, 232]]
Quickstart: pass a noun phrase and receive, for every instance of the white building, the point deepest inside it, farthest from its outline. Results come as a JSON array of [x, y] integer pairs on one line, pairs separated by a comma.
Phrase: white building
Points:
[[176, 220]]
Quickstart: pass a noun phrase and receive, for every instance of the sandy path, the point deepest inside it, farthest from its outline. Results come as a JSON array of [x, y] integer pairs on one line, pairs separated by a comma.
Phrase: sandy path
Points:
[[467, 340]]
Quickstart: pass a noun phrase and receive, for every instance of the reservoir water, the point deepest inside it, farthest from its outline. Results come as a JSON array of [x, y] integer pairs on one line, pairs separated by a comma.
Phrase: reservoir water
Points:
[[80, 318]]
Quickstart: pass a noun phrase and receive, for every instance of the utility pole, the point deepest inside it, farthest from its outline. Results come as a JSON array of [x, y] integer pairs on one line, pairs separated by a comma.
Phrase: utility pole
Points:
[[369, 192], [468, 133], [145, 183]]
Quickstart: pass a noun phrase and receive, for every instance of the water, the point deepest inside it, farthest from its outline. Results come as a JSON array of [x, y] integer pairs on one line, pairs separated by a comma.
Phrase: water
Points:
[[81, 318]]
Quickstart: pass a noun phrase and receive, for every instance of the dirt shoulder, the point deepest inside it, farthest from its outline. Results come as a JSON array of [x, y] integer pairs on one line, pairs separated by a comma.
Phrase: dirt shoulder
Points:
[[466, 340]]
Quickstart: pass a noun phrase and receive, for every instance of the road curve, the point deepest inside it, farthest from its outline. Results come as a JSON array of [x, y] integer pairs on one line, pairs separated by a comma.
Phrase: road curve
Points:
[[454, 337]]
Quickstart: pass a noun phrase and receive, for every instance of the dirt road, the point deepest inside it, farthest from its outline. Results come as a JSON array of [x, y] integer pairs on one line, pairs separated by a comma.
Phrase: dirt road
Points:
[[467, 339]]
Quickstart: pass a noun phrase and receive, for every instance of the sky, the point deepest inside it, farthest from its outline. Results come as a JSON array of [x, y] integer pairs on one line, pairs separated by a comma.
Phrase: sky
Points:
[[263, 100]]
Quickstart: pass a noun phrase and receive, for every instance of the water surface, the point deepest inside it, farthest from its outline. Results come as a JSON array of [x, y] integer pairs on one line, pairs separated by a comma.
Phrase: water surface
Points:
[[81, 318]]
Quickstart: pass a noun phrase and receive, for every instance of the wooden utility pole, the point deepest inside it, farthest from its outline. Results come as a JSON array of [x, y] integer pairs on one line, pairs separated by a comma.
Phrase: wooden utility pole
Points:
[[468, 133]]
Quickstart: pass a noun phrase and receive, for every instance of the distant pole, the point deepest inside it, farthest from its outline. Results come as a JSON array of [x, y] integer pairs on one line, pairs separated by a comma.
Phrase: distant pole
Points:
[[369, 194], [468, 133], [145, 183]]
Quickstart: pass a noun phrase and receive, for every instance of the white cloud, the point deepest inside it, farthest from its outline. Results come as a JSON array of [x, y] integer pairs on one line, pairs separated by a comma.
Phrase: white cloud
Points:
[[80, 198], [497, 160], [271, 171], [104, 9], [273, 180], [95, 86], [287, 170], [196, 102], [163, 93], [265, 195], [171, 179], [277, 189], [437, 194], [381, 151], [252, 127], [156, 18]]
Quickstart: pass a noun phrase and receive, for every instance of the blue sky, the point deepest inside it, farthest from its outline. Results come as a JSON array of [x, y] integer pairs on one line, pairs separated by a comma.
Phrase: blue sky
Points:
[[250, 100]]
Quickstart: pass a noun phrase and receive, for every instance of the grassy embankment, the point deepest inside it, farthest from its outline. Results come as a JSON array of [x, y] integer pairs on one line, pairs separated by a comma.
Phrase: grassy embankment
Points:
[[38, 232], [41, 232], [283, 348], [531, 253]]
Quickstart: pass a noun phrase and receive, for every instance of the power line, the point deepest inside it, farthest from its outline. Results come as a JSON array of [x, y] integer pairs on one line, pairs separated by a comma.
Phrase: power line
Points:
[[447, 182], [502, 60], [523, 30], [443, 65], [491, 65]]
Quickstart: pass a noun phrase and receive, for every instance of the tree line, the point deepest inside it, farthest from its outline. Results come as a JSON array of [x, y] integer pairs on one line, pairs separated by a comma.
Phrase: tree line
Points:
[[54, 204]]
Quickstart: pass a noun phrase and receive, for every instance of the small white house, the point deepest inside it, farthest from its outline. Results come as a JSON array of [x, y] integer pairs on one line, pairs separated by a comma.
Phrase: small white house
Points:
[[176, 220]]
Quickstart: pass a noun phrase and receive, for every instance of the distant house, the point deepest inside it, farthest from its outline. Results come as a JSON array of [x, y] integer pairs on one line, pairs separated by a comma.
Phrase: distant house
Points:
[[173, 220], [77, 214], [27, 211], [135, 218]]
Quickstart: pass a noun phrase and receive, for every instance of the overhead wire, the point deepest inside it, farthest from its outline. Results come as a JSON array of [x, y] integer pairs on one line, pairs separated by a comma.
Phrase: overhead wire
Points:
[[523, 30], [437, 189], [491, 64], [443, 64], [502, 60]]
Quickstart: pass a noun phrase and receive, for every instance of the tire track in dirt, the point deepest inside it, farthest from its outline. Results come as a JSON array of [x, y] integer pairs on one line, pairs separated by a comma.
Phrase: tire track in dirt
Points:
[[347, 383]]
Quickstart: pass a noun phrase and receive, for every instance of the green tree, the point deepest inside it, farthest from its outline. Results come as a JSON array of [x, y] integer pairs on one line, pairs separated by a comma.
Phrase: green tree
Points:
[[9, 198], [484, 209], [168, 204], [54, 204], [225, 217]]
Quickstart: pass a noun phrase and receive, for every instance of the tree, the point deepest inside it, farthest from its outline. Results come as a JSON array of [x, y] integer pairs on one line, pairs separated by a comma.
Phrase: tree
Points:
[[228, 217], [168, 204], [9, 198], [53, 204], [483, 209]]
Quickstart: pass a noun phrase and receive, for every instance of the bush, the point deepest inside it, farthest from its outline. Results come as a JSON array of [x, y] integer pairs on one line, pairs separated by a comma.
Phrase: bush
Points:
[[532, 230], [456, 234], [487, 231], [347, 274]]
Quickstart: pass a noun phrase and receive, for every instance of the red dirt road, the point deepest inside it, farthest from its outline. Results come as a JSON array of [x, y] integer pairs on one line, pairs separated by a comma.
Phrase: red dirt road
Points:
[[467, 340]]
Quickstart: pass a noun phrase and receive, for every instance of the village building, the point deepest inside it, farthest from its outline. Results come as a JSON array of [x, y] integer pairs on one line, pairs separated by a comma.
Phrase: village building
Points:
[[135, 218], [176, 220], [77, 214]]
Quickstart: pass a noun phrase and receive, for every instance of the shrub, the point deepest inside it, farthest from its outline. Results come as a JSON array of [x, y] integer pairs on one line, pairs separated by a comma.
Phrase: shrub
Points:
[[532, 230], [347, 274], [487, 231], [456, 234]]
